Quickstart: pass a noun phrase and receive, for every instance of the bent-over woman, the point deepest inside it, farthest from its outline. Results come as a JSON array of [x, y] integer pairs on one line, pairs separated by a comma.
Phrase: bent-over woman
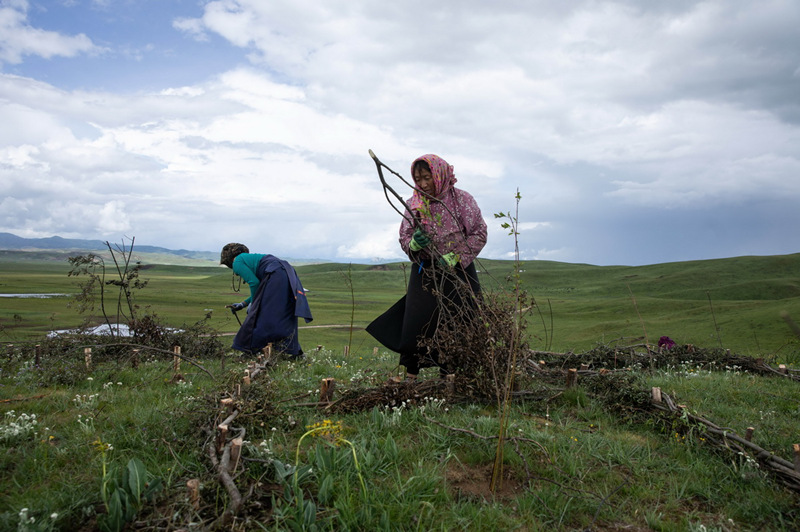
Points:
[[276, 300], [442, 235]]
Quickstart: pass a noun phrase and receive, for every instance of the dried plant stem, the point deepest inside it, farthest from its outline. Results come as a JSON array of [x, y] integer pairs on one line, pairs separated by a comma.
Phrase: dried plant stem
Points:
[[636, 307], [714, 317]]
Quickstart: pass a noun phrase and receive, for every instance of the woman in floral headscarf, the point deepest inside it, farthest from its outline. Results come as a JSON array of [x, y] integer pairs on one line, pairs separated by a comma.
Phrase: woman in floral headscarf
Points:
[[442, 234]]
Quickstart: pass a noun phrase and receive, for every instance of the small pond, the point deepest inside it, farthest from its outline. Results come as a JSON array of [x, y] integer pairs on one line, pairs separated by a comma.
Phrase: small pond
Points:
[[34, 296]]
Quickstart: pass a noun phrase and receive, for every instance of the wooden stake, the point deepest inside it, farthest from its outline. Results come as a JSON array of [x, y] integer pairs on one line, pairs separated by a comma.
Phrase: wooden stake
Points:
[[796, 449], [269, 350], [748, 434], [782, 369], [176, 361], [346, 350], [374, 351], [655, 393], [236, 452], [135, 359], [193, 486], [37, 355], [222, 436], [584, 367], [246, 379], [572, 377], [450, 384], [326, 388], [227, 404], [87, 357]]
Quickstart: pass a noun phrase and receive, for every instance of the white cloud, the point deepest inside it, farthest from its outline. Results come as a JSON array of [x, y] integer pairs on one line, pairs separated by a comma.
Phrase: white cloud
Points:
[[597, 112], [377, 243], [18, 39], [192, 27], [113, 218]]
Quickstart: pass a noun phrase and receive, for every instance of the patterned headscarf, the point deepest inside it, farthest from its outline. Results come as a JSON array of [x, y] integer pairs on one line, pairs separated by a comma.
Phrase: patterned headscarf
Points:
[[443, 179]]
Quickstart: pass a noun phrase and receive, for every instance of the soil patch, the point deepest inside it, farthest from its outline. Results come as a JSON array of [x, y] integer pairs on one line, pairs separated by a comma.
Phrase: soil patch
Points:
[[474, 482]]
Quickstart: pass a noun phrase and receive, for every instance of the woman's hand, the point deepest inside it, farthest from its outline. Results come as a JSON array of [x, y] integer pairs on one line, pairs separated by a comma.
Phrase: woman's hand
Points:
[[236, 307], [449, 259], [419, 240]]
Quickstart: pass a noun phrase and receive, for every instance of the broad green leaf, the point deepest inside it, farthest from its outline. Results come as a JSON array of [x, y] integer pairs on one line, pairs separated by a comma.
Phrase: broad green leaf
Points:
[[309, 512], [326, 490], [137, 478], [115, 519]]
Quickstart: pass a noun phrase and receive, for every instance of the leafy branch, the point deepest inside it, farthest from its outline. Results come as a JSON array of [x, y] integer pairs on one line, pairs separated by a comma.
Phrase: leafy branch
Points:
[[125, 276]]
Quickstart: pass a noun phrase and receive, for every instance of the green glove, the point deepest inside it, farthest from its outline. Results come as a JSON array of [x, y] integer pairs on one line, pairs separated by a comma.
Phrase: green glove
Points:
[[449, 259], [419, 240]]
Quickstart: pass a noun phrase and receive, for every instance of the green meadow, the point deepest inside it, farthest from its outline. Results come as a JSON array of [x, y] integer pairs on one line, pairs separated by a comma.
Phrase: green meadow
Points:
[[116, 442], [734, 303]]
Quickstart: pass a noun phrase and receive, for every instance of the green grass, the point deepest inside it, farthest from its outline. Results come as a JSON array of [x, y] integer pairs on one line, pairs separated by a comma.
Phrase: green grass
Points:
[[738, 400], [574, 462], [734, 302], [585, 465]]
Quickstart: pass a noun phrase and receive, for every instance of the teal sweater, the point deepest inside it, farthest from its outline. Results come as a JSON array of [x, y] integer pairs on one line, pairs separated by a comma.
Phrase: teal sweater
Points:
[[245, 266]]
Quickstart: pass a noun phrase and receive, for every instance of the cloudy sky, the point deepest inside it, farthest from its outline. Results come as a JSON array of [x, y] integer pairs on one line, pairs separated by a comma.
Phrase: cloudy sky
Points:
[[637, 132]]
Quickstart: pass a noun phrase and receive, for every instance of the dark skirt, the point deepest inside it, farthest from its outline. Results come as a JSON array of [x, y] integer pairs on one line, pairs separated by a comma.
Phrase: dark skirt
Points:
[[414, 318], [270, 316]]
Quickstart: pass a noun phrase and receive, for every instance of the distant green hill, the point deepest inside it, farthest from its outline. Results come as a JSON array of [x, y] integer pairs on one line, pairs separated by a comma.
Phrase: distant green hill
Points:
[[56, 248], [12, 242], [733, 303]]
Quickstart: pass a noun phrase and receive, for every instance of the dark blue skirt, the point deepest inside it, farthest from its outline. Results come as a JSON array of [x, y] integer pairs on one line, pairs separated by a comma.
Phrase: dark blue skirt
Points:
[[271, 315]]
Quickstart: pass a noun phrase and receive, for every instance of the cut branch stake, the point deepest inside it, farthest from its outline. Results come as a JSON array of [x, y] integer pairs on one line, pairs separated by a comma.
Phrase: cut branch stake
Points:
[[656, 394], [193, 487], [176, 359], [326, 388], [572, 377], [236, 453]]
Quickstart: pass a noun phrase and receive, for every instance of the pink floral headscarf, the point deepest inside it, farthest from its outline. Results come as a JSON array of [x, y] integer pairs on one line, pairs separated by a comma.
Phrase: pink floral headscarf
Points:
[[443, 179]]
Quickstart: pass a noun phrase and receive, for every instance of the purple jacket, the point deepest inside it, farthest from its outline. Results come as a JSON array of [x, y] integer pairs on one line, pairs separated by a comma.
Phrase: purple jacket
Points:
[[454, 223]]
